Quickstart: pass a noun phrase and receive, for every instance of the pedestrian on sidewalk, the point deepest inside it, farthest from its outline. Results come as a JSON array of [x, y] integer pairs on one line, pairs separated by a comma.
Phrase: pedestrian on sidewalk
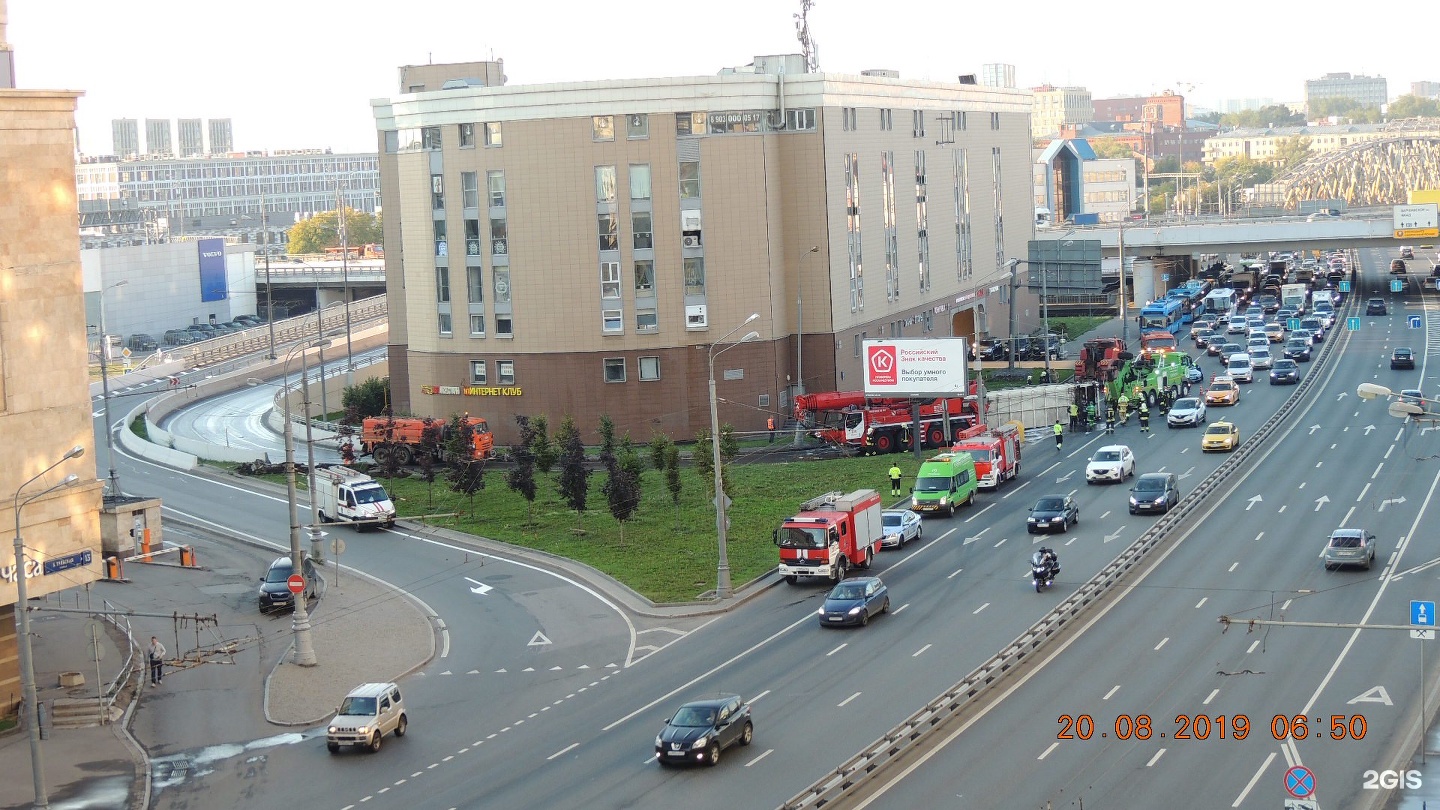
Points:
[[156, 651], [895, 480], [770, 425]]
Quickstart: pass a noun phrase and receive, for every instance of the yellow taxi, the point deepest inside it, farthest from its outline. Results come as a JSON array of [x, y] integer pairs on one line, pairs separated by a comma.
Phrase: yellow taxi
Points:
[[1222, 391], [1220, 436], [1275, 332]]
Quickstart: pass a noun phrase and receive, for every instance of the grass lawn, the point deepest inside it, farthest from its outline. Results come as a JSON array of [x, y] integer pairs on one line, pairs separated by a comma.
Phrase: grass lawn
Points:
[[669, 554], [1074, 326]]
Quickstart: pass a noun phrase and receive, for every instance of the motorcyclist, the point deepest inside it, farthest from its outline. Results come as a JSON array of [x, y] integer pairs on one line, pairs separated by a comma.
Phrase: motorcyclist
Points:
[[1046, 557]]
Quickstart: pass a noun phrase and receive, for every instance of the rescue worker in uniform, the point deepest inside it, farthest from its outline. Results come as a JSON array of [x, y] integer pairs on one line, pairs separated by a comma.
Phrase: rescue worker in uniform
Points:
[[1059, 435], [895, 479], [1144, 417], [1074, 417], [1124, 409]]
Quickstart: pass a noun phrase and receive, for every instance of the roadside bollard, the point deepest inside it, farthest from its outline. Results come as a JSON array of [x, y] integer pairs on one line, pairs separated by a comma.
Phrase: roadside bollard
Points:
[[187, 556], [113, 568]]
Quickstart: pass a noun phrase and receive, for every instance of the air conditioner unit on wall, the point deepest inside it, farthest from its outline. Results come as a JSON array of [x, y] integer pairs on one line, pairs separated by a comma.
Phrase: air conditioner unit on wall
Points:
[[690, 241], [695, 317]]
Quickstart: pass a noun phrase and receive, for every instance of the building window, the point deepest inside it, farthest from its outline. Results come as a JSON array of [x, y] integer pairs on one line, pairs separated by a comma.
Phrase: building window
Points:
[[504, 327], [430, 137], [644, 277], [690, 123], [614, 369], [995, 120], [800, 120], [495, 182], [467, 136], [492, 135], [922, 223], [472, 237], [649, 368], [964, 242], [475, 285], [640, 181], [612, 321], [602, 128], [437, 192], [997, 177], [887, 211], [607, 228], [477, 372], [848, 119], [470, 189], [500, 278], [852, 231], [477, 325], [640, 228], [957, 120], [689, 180], [442, 285], [695, 275], [442, 247], [609, 279], [646, 321], [637, 126], [444, 318], [499, 245], [605, 184], [886, 121], [505, 372], [919, 125]]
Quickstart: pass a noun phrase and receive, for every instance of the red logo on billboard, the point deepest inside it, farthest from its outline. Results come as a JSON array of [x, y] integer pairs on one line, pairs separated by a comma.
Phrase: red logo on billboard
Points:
[[884, 370]]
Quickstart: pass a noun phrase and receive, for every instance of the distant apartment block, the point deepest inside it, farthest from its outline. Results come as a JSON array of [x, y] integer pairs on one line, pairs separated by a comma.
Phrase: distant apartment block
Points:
[[1367, 91], [1057, 107], [157, 137], [125, 137], [997, 74], [221, 138], [1425, 89], [192, 137]]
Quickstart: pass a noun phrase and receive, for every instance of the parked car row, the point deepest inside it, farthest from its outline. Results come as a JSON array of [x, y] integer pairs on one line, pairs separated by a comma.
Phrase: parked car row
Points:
[[196, 332]]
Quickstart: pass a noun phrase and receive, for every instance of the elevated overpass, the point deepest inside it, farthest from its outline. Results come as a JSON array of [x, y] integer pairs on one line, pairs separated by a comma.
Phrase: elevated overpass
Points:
[[1200, 236]]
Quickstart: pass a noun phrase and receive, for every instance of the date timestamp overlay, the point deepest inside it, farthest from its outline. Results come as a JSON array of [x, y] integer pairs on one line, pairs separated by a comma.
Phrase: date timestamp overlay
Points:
[[1211, 727]]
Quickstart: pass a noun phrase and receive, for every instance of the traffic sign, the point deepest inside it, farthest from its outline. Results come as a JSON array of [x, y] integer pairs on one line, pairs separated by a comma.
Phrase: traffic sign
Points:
[[1422, 613], [1416, 221], [1300, 782], [1344, 286], [1353, 324], [1397, 285], [1292, 324], [1164, 276], [1414, 321], [1300, 804], [296, 583], [1422, 633]]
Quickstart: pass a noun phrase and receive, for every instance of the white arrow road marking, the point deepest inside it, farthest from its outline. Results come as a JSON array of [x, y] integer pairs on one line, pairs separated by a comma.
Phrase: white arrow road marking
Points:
[[1342, 396], [1254, 500], [481, 588], [1314, 428], [1115, 534], [1066, 477], [1375, 694], [1321, 501], [976, 536], [1186, 474], [538, 640], [1369, 428], [1400, 499]]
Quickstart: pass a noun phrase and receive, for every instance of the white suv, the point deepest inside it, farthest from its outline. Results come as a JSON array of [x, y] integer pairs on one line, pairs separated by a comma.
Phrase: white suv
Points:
[[367, 714], [1240, 367]]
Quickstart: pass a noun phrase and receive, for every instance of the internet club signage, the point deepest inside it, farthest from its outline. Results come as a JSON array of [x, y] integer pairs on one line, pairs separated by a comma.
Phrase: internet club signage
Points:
[[471, 390]]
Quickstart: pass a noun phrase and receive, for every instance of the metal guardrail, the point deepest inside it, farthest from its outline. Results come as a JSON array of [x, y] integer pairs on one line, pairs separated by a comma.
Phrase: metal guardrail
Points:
[[875, 757], [113, 614], [289, 330]]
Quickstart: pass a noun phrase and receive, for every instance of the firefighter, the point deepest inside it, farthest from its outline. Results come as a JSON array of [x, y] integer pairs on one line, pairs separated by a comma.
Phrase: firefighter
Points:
[[1090, 417], [1108, 426], [1124, 403], [1144, 417], [1059, 435], [895, 480]]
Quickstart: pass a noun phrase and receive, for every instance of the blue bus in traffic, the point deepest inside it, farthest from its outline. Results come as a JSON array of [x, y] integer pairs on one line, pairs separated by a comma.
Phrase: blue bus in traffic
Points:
[[1163, 316]]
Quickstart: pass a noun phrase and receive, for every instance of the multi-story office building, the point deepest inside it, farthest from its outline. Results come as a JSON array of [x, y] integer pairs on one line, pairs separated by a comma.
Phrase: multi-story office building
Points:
[[997, 74], [1366, 91], [192, 137], [1057, 107], [157, 138], [1262, 144], [1164, 110], [219, 194], [222, 140], [125, 137], [583, 248], [1425, 89]]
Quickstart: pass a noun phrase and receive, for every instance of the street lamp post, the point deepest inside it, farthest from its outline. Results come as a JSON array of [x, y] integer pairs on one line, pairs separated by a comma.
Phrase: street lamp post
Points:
[[345, 277], [800, 331], [105, 391], [22, 628], [300, 619], [722, 585]]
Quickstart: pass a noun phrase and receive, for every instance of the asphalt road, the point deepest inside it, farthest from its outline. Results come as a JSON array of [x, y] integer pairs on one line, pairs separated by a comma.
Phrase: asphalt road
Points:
[[1159, 656]]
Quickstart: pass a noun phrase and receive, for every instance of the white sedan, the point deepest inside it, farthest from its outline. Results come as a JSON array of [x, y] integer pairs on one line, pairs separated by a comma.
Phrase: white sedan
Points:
[[901, 526], [1113, 462], [1186, 412]]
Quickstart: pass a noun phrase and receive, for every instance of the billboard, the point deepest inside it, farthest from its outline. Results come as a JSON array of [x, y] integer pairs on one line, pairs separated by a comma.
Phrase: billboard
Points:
[[212, 270], [1417, 221], [915, 367]]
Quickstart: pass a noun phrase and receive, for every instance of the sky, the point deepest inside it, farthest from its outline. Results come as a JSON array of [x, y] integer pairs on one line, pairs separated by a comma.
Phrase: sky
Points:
[[301, 73]]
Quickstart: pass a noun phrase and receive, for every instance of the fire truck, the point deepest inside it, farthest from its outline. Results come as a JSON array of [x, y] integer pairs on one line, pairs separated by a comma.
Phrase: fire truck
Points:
[[1153, 343], [830, 534], [884, 425], [996, 453], [402, 437]]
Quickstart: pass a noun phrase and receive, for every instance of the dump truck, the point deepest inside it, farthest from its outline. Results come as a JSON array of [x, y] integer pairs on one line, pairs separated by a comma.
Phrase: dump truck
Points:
[[830, 534], [343, 495], [996, 453], [404, 439]]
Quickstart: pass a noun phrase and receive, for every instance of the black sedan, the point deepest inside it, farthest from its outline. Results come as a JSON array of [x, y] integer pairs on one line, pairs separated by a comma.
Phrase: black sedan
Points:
[[854, 601], [1297, 349], [1402, 357], [1285, 372], [1053, 512], [701, 729], [1375, 306]]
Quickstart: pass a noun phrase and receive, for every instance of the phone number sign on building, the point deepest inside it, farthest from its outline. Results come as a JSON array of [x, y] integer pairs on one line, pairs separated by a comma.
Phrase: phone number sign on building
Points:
[[919, 367]]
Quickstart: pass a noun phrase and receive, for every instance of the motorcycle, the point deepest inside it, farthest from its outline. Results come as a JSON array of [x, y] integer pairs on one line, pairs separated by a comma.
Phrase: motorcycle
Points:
[[1043, 568]]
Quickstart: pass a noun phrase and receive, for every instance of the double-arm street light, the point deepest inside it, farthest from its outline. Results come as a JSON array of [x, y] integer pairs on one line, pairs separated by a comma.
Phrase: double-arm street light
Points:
[[22, 625], [105, 390], [722, 585], [300, 619]]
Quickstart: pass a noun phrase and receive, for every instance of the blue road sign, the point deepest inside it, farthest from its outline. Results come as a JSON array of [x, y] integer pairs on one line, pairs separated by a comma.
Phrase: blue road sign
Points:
[[1422, 614], [1396, 285], [1353, 324], [1414, 321], [1344, 286], [1292, 324], [1164, 276], [1300, 782]]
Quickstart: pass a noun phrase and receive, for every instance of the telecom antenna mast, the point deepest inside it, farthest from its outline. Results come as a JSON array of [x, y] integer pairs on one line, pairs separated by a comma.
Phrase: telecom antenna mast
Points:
[[808, 46]]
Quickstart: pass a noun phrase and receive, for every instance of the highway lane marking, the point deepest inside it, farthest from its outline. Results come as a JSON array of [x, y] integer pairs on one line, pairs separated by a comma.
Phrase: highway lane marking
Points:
[[977, 610], [762, 756], [1155, 758], [1213, 693], [761, 695], [1002, 542], [1233, 566], [563, 751], [1067, 542], [1047, 751], [1201, 602], [1363, 490], [842, 646], [1253, 645], [1281, 509], [1347, 516], [1258, 536], [1113, 690], [847, 700], [1105, 515], [957, 571], [1388, 450], [1286, 604], [444, 637], [917, 653], [978, 514], [907, 604], [1376, 474], [1162, 642]]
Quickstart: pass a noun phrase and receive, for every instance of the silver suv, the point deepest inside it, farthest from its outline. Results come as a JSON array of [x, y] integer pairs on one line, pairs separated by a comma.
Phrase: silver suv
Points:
[[367, 714]]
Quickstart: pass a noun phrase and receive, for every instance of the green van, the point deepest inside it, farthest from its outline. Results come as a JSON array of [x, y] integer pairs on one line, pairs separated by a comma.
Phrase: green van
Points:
[[944, 481]]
